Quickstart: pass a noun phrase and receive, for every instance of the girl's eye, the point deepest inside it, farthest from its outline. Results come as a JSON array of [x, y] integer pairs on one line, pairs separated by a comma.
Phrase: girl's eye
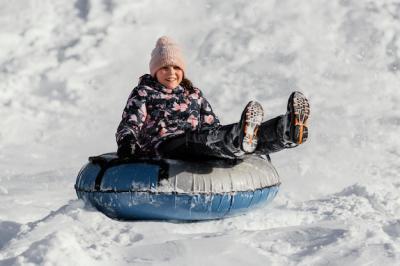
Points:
[[177, 68]]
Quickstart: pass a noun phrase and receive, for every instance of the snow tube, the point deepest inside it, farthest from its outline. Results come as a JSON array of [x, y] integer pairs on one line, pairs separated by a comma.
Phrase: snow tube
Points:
[[143, 189]]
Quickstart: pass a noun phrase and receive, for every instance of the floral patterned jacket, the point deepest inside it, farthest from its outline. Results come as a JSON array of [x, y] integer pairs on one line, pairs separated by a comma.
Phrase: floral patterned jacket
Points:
[[154, 112]]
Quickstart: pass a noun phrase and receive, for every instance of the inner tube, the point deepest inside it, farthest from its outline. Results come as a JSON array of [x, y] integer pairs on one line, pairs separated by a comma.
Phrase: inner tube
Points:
[[163, 189]]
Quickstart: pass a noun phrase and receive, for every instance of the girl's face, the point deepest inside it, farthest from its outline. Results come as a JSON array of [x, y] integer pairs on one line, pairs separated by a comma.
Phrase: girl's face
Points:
[[170, 76]]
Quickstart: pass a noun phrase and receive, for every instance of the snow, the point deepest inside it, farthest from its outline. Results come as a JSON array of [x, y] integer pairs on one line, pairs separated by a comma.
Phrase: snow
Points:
[[68, 67]]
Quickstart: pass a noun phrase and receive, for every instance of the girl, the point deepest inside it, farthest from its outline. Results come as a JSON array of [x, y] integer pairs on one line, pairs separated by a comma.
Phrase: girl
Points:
[[166, 116]]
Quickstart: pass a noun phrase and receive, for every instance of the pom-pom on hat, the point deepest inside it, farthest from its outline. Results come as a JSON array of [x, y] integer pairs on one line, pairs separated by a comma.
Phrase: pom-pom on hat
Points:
[[166, 53]]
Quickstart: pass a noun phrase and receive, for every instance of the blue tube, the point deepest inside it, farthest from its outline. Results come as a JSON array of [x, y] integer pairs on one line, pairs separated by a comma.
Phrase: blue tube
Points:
[[132, 191]]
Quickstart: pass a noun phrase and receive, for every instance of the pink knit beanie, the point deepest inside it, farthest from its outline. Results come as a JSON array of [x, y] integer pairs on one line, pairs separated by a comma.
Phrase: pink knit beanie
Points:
[[166, 53]]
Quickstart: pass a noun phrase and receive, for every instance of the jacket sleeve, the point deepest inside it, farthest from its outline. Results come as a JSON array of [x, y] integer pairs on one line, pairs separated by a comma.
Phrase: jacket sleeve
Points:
[[133, 117], [207, 116]]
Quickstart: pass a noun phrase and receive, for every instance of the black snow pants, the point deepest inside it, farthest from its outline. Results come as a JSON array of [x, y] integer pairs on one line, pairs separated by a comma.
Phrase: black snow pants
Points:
[[221, 142]]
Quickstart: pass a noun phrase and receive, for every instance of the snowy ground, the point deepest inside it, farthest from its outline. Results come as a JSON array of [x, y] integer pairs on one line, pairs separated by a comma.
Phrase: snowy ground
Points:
[[66, 71]]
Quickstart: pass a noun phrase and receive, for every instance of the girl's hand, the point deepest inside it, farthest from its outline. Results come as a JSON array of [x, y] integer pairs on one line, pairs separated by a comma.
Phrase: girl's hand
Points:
[[126, 148]]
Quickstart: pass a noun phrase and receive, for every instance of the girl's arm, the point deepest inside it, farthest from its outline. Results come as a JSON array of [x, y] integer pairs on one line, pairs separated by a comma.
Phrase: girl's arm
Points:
[[133, 118], [208, 118]]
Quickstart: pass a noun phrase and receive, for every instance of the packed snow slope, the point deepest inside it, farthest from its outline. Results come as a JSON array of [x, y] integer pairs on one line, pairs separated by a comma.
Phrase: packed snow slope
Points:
[[67, 68]]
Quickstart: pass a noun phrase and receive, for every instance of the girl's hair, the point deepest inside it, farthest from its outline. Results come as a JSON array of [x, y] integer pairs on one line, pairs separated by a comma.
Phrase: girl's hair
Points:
[[187, 85]]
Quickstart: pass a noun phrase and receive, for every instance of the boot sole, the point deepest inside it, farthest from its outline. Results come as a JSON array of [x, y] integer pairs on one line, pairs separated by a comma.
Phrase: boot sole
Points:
[[254, 114], [300, 111]]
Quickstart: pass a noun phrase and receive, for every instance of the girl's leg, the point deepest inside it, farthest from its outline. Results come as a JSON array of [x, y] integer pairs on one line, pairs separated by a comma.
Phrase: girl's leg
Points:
[[282, 132], [204, 144], [228, 142], [271, 136]]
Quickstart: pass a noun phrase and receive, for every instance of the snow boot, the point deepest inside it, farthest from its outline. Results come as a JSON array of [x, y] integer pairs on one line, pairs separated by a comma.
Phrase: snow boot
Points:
[[249, 124], [298, 111]]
